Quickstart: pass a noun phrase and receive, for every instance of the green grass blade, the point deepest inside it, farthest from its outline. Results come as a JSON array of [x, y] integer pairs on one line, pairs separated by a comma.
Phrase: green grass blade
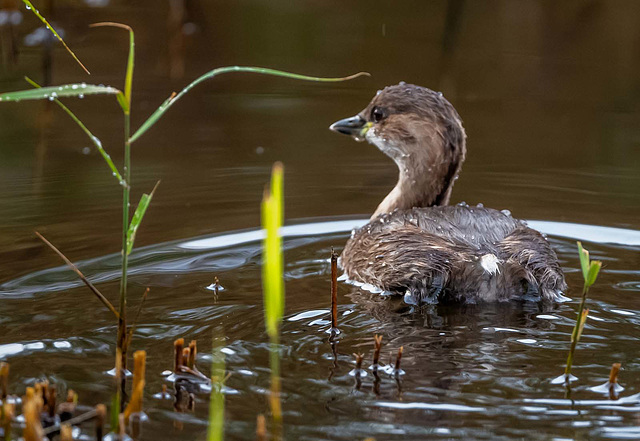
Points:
[[582, 321], [53, 31], [584, 261], [128, 81], [115, 412], [94, 139], [53, 92], [594, 269], [215, 431], [259, 70], [145, 200], [272, 258]]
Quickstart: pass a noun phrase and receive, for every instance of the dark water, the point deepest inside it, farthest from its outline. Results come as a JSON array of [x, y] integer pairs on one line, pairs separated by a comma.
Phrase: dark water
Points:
[[550, 96]]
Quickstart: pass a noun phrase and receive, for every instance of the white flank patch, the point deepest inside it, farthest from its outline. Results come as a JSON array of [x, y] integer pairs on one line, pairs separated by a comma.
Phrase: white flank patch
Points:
[[490, 263]]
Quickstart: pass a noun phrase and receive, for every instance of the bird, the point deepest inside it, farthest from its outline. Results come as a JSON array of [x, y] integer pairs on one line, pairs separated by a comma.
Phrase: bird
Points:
[[416, 244]]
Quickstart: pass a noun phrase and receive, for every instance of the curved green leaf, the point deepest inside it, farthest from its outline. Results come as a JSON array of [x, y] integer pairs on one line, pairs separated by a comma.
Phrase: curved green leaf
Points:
[[53, 92], [94, 139], [584, 260], [145, 200], [128, 81], [53, 31], [155, 116], [594, 269]]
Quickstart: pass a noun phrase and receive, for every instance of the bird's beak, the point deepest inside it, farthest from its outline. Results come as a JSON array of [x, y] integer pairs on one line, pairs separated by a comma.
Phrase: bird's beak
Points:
[[355, 126]]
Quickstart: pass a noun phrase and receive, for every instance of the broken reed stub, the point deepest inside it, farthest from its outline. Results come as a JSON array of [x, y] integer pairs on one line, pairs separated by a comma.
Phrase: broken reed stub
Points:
[[613, 374], [398, 360], [358, 372], [377, 347], [261, 428], [611, 388], [137, 392], [191, 360], [178, 347], [334, 293], [4, 379], [101, 417]]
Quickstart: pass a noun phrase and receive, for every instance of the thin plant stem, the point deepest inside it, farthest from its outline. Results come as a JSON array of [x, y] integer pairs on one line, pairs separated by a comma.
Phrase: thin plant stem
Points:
[[576, 329], [126, 190], [334, 292], [276, 405], [90, 285]]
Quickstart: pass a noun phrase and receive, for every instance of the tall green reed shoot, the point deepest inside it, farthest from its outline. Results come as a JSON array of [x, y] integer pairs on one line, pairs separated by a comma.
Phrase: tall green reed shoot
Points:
[[273, 283], [590, 270], [215, 431]]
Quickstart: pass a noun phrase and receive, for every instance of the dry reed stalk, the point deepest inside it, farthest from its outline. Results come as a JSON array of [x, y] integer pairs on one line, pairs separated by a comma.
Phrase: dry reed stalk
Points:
[[359, 358], [66, 433], [398, 359], [613, 375], [121, 427], [613, 380], [33, 427], [261, 428], [134, 426], [70, 264], [186, 353], [191, 361], [178, 345], [68, 407], [4, 380], [51, 400], [137, 395], [101, 417], [377, 347], [8, 413], [133, 326], [334, 291]]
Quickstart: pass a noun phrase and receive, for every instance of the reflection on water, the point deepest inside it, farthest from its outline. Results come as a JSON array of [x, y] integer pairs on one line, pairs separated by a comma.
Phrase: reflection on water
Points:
[[472, 371], [548, 94]]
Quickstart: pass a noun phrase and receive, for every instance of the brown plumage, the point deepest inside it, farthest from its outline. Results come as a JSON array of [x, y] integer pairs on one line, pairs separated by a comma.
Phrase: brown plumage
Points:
[[417, 245]]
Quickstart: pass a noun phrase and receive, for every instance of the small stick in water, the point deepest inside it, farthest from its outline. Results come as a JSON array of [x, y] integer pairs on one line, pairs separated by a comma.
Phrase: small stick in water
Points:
[[377, 345], [216, 286], [334, 292]]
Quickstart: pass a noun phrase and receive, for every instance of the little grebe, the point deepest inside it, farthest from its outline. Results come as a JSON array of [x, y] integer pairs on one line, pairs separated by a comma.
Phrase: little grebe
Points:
[[417, 245]]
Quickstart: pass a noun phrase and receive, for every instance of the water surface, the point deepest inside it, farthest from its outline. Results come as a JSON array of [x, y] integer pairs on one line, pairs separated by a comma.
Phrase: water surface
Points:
[[549, 97]]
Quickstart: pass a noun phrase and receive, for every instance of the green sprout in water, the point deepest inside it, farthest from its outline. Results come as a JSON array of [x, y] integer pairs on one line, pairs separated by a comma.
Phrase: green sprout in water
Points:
[[273, 284], [590, 270], [215, 431]]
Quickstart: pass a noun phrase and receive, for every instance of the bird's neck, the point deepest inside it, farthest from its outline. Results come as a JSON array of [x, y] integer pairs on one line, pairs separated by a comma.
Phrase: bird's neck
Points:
[[426, 177]]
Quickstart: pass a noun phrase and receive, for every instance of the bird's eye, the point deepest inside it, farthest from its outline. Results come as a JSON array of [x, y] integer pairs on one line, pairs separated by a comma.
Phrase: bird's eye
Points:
[[377, 114]]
